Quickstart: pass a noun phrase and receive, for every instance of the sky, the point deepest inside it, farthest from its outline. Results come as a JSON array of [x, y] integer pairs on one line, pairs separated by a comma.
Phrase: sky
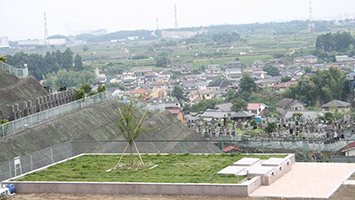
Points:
[[24, 19]]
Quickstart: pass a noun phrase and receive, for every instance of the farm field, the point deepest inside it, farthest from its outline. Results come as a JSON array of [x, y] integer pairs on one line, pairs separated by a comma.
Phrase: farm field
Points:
[[172, 168]]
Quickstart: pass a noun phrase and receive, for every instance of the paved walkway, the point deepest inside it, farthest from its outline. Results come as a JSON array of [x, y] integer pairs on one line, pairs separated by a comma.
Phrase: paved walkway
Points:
[[308, 180]]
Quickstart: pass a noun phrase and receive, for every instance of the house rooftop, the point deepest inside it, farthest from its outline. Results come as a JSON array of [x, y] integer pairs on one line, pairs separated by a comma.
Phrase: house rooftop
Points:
[[336, 103]]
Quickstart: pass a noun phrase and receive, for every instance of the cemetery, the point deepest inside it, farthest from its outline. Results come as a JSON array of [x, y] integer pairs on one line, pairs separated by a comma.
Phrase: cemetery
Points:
[[286, 134]]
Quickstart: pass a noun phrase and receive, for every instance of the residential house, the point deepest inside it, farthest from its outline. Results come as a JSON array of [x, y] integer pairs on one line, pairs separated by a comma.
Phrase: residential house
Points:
[[275, 61], [198, 95], [233, 64], [149, 78], [281, 87], [188, 86], [201, 85], [259, 74], [220, 111], [213, 69], [310, 59], [219, 87], [139, 71], [341, 58], [233, 73], [215, 114], [258, 64], [257, 108], [292, 72], [178, 113], [243, 116], [226, 107], [287, 104], [336, 105], [349, 150], [299, 60], [268, 82], [140, 93], [170, 102], [306, 114]]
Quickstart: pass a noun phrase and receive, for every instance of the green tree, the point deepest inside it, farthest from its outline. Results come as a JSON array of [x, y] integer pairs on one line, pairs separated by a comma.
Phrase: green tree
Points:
[[79, 94], [239, 104], [271, 70], [67, 59], [85, 48], [324, 85], [3, 59], [162, 61], [130, 124], [101, 88], [86, 87], [247, 83], [253, 123], [285, 79], [178, 93], [271, 127], [78, 64]]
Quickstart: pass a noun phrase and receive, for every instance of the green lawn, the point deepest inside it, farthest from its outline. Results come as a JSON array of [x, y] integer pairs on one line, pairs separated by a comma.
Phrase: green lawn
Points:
[[172, 168]]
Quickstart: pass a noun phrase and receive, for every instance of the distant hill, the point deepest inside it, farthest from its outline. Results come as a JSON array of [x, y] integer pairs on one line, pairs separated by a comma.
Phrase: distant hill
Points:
[[276, 28]]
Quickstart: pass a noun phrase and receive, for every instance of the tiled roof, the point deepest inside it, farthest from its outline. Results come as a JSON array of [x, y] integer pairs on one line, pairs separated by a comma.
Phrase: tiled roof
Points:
[[254, 106], [174, 111], [139, 91], [351, 146], [285, 84], [339, 104]]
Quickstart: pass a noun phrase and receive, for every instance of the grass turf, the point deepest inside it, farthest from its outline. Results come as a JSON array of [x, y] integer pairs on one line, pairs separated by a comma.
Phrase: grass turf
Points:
[[172, 168]]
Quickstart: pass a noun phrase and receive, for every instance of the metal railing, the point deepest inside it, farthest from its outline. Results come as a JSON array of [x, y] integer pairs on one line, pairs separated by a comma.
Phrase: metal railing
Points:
[[19, 72], [23, 123]]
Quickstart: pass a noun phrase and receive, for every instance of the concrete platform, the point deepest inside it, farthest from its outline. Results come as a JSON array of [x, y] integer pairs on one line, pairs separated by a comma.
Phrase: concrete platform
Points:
[[246, 162], [349, 182], [308, 180], [231, 170]]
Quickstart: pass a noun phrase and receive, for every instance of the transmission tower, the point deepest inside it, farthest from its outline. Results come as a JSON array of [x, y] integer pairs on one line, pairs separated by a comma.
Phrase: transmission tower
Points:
[[176, 21], [45, 30], [157, 24], [311, 27]]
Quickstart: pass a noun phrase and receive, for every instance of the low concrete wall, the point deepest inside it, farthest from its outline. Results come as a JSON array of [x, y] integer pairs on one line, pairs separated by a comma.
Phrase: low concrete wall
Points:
[[22, 187], [252, 184], [279, 171]]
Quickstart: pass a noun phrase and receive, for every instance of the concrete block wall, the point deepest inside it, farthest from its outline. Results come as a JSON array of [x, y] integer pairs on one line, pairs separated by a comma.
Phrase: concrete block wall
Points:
[[42, 103]]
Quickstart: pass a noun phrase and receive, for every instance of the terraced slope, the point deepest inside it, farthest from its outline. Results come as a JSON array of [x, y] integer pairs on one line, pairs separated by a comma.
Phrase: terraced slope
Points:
[[15, 90], [98, 123]]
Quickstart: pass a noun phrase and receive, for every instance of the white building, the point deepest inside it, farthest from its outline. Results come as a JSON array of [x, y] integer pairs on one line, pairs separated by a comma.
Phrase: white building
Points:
[[4, 42]]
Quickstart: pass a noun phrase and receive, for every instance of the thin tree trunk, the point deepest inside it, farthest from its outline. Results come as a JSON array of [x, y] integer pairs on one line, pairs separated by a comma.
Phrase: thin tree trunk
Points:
[[131, 154]]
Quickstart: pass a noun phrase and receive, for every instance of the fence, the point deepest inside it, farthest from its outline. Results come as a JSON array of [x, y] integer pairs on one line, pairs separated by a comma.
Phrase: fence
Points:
[[37, 118], [19, 72], [66, 150]]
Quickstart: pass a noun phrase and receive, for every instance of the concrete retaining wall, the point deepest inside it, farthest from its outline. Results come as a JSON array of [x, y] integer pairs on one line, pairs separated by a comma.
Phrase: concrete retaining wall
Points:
[[23, 187]]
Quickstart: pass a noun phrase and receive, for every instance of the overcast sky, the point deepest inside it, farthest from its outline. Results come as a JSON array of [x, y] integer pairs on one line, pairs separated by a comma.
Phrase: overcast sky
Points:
[[23, 19]]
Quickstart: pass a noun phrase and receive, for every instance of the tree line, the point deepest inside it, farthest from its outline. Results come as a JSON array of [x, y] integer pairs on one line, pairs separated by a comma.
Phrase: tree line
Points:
[[56, 68], [323, 86], [340, 41], [39, 65]]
